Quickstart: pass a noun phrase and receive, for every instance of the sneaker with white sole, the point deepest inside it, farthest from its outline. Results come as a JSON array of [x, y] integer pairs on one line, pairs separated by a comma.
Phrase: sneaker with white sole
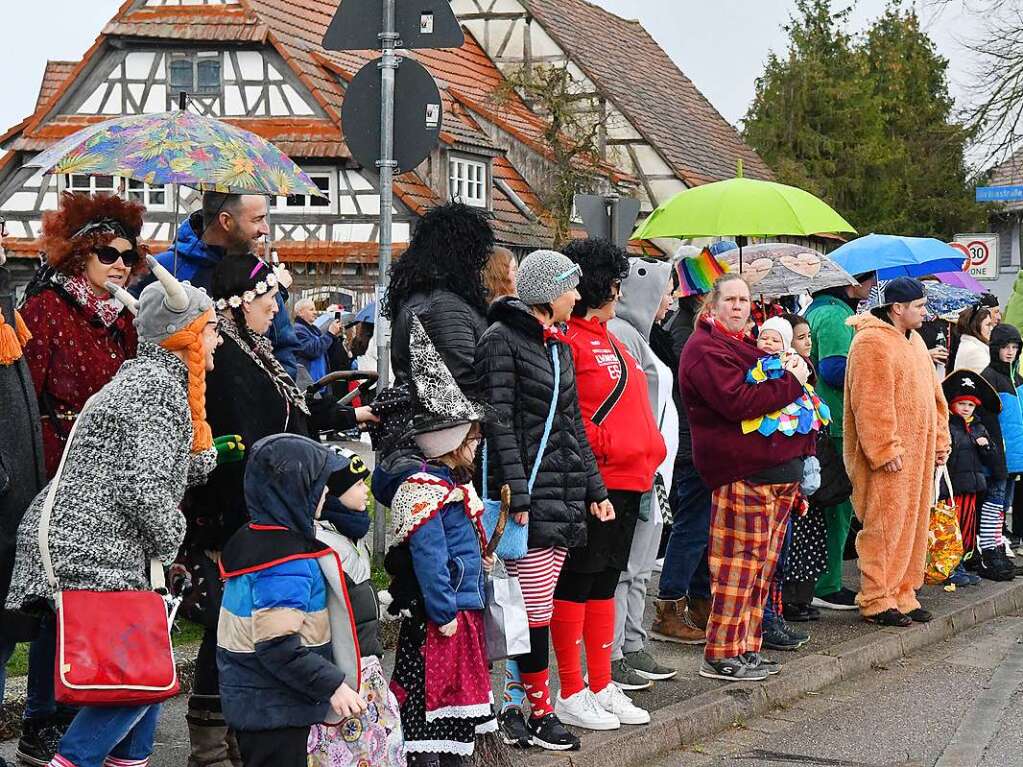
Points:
[[623, 675], [643, 663], [733, 670], [583, 710], [616, 702]]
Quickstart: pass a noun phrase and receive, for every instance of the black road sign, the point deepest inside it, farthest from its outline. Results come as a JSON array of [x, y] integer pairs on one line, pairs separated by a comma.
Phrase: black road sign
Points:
[[418, 113], [420, 24], [608, 217]]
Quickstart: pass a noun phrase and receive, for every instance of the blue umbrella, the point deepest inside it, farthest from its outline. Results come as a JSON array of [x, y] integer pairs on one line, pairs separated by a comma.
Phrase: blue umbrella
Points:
[[892, 256]]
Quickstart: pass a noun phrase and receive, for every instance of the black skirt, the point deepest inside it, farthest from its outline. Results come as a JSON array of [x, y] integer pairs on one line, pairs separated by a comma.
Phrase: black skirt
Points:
[[608, 544]]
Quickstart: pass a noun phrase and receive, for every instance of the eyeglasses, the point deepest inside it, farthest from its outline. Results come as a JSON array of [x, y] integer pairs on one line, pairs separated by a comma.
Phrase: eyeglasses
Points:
[[108, 255]]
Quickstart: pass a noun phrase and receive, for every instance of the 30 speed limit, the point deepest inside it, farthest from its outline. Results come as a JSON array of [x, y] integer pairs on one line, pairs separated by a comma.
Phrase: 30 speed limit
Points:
[[981, 254]]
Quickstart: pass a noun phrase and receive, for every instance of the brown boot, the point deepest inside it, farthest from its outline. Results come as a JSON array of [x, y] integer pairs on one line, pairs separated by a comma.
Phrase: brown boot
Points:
[[673, 623], [207, 732], [699, 612]]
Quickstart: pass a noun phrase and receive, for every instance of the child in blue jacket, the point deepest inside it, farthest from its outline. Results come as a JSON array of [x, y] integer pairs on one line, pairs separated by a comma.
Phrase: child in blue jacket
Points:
[[278, 674]]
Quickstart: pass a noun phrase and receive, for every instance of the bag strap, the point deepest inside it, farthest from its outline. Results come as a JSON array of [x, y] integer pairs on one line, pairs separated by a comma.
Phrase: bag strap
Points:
[[548, 426], [613, 398], [156, 577], [942, 474]]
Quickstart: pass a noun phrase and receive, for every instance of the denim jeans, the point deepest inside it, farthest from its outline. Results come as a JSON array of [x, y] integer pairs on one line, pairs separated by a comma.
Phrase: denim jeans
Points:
[[42, 651], [123, 732], [685, 570]]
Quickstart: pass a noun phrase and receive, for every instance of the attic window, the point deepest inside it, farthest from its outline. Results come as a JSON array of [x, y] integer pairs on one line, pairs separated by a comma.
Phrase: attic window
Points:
[[197, 75], [467, 181]]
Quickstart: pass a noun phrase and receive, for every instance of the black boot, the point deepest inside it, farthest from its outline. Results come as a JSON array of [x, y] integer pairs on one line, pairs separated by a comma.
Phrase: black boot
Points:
[[995, 566], [38, 742]]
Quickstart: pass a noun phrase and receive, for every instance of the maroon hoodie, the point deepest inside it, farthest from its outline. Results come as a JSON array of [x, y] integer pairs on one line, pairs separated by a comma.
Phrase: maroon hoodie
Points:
[[712, 380]]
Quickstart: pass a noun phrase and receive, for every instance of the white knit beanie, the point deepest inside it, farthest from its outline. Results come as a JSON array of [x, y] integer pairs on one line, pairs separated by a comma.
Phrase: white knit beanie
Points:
[[782, 327]]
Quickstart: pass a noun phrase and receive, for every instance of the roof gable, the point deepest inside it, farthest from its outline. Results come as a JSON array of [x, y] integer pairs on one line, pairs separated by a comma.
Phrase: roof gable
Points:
[[664, 105]]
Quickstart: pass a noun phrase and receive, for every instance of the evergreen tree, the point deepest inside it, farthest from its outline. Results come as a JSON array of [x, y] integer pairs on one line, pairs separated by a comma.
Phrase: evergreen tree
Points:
[[865, 124]]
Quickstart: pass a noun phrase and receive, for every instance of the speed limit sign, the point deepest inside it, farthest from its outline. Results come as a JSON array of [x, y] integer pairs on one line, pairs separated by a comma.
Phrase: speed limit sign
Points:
[[981, 252]]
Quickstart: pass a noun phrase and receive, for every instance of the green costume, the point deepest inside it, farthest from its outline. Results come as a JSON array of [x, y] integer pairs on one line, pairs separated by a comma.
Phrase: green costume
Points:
[[831, 338], [1014, 309]]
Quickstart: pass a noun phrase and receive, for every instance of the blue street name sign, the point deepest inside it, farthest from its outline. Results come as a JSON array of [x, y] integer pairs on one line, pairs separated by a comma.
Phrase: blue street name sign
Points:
[[999, 193]]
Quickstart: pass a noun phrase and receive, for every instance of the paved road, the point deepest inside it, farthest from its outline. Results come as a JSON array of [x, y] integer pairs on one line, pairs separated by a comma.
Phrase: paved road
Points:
[[956, 704]]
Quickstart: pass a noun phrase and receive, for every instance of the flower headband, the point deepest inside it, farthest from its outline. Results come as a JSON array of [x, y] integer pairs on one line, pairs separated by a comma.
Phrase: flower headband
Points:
[[261, 287]]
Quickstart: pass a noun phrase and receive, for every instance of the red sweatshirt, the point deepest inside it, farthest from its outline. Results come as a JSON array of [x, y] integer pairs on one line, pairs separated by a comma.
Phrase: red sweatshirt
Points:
[[626, 443], [712, 381]]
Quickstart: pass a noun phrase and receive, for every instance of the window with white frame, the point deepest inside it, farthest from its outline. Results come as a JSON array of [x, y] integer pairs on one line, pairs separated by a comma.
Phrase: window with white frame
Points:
[[467, 181], [153, 197], [307, 203], [91, 184]]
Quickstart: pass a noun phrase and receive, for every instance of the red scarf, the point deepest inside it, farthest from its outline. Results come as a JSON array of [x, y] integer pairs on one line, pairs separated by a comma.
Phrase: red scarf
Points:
[[553, 333], [737, 336]]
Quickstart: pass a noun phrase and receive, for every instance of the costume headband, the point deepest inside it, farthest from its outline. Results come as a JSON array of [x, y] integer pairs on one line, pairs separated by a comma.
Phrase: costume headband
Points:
[[261, 287], [104, 225]]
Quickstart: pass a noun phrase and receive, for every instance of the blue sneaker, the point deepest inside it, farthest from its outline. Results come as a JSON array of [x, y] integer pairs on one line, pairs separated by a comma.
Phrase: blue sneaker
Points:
[[960, 577]]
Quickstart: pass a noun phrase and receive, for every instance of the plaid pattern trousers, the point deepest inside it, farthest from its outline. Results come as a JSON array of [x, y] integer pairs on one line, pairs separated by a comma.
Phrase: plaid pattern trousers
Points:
[[747, 531]]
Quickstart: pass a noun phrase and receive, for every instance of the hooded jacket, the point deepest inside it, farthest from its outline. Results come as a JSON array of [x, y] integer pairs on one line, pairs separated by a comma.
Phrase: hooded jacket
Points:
[[615, 407], [1006, 380], [515, 369], [195, 263], [278, 667], [712, 379], [633, 323], [444, 542]]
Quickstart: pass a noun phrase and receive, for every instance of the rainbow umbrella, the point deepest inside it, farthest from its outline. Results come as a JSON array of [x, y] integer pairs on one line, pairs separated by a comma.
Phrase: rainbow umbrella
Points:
[[697, 274], [178, 148]]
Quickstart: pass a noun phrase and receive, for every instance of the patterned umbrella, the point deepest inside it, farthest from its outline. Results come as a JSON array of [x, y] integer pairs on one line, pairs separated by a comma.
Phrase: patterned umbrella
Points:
[[783, 269], [178, 148]]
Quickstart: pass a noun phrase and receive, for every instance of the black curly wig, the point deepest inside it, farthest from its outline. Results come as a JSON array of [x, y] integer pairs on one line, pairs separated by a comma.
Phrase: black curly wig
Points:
[[604, 265], [449, 249]]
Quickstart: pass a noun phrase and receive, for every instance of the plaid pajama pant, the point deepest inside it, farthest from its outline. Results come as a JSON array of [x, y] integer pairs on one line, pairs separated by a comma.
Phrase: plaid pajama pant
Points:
[[747, 530]]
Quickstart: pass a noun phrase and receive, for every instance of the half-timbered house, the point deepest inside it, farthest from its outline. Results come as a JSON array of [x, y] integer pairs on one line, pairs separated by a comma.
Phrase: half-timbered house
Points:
[[259, 65]]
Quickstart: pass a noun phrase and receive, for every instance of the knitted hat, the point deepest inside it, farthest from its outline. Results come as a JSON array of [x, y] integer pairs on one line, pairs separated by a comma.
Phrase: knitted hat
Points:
[[780, 326], [544, 275], [352, 472], [167, 306]]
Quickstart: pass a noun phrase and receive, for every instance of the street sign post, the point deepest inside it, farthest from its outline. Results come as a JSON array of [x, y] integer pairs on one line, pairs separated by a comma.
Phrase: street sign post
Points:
[[387, 25], [1013, 193], [981, 254]]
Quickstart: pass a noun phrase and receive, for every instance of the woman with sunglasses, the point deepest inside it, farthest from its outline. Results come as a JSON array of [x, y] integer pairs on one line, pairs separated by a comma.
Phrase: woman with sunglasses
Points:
[[80, 333], [80, 337]]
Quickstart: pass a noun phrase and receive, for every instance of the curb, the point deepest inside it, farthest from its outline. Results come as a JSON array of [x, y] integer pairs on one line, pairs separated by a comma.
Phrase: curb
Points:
[[688, 721]]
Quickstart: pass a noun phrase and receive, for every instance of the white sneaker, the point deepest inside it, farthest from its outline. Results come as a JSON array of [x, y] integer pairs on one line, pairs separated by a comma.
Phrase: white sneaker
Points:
[[616, 702], [583, 710], [1008, 548]]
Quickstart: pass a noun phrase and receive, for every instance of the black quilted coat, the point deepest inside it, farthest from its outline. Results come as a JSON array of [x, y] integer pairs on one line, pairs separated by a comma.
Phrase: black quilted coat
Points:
[[514, 368], [454, 326]]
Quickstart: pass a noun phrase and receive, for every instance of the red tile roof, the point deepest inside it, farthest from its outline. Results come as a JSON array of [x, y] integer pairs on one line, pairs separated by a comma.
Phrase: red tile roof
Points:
[[224, 23], [53, 77], [664, 105]]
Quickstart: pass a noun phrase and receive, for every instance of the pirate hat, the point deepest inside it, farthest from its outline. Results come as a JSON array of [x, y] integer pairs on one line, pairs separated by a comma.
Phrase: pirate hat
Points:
[[965, 384]]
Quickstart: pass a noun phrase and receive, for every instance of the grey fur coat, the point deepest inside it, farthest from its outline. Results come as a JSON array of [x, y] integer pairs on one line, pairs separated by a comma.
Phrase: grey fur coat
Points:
[[117, 503]]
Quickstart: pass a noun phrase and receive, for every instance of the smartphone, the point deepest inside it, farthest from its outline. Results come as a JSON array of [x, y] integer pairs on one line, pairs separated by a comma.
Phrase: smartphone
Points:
[[337, 316]]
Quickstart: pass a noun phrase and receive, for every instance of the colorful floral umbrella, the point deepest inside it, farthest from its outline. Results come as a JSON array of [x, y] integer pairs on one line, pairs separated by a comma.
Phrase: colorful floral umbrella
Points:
[[178, 148]]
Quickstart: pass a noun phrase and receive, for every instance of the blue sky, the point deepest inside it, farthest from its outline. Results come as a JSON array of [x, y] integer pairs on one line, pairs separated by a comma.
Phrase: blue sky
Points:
[[720, 45]]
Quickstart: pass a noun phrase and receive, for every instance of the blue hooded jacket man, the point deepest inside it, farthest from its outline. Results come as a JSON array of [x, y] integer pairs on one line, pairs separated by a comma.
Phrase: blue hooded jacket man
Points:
[[196, 260]]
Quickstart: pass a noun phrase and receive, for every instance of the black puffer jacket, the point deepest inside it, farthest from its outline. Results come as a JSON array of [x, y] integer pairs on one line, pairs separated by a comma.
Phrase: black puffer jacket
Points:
[[454, 326], [514, 368], [968, 460]]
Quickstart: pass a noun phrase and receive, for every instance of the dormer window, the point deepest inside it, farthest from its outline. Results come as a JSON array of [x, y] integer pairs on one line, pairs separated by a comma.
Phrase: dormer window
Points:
[[468, 181], [196, 75]]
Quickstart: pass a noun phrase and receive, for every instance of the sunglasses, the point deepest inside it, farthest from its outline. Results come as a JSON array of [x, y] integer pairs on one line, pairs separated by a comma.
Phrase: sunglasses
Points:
[[108, 255]]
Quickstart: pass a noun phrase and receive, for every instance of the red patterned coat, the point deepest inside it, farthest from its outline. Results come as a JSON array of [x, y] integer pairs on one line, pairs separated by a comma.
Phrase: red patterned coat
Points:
[[71, 356]]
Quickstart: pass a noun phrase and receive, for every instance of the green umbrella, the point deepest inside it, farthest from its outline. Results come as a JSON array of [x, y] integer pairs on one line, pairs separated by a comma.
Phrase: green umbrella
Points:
[[741, 207]]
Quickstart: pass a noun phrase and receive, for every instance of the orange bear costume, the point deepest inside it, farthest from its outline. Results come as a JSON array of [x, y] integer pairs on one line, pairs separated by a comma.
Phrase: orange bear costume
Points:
[[894, 407]]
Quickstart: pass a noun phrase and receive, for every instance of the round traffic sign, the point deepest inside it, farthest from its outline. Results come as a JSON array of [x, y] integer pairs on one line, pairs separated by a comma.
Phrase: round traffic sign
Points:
[[965, 251], [418, 114], [979, 252]]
